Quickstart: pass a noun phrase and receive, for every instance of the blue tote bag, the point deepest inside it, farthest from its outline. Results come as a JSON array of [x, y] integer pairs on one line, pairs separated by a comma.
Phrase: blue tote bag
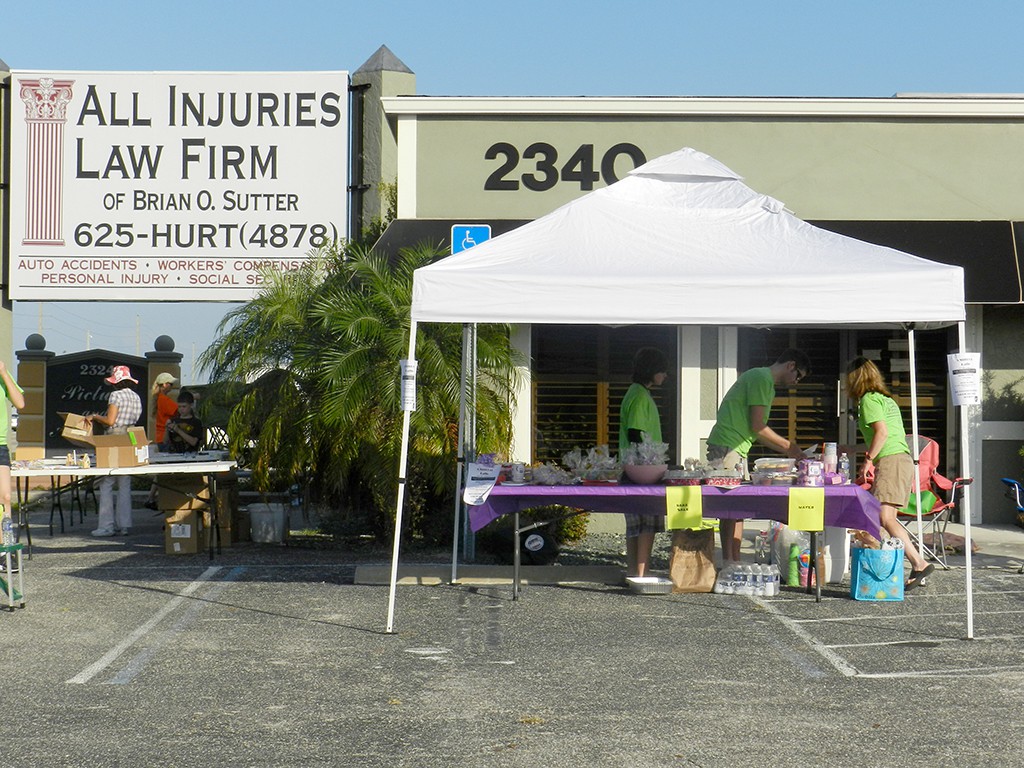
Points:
[[876, 574]]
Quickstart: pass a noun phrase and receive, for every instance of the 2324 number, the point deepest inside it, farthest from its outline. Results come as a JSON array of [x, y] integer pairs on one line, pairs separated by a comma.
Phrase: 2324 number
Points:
[[546, 172]]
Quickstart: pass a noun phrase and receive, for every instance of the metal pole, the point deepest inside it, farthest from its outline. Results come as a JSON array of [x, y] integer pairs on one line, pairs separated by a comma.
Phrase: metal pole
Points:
[[461, 458], [468, 537], [403, 463], [965, 507], [916, 448]]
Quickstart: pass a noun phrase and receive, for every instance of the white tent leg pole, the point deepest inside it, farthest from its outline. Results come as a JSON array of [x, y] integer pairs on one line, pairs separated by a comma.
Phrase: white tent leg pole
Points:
[[915, 448], [965, 508], [403, 465], [468, 537], [461, 462]]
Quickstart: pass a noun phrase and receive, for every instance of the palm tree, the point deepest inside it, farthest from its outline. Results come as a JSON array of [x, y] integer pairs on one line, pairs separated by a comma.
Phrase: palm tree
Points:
[[320, 348]]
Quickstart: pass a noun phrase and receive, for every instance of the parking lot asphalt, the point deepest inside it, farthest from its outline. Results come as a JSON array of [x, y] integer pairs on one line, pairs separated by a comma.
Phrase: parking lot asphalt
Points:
[[268, 655]]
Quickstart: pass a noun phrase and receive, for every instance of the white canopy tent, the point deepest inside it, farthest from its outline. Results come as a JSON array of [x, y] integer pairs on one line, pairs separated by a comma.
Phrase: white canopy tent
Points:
[[682, 241]]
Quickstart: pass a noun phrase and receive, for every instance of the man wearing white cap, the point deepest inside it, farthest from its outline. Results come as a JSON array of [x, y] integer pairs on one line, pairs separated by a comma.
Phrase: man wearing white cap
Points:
[[123, 410]]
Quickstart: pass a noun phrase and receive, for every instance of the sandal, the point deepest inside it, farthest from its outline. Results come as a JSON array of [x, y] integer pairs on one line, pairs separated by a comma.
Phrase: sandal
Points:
[[917, 578]]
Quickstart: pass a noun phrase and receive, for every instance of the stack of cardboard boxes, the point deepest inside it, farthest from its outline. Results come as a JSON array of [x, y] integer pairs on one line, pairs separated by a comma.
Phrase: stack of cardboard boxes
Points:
[[188, 518], [184, 499]]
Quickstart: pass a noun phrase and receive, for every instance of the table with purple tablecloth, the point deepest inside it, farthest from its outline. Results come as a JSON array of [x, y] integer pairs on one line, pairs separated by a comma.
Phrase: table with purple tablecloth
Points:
[[846, 506]]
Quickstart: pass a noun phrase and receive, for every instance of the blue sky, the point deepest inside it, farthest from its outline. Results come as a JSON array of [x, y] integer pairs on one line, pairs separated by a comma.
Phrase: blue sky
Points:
[[524, 48]]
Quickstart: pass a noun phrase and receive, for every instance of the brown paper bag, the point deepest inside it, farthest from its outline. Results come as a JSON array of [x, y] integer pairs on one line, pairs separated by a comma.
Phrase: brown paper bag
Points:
[[692, 568]]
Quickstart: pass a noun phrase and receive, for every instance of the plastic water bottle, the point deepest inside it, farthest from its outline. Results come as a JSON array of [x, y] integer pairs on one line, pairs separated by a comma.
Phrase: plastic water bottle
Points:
[[748, 580], [761, 547], [725, 578], [759, 579], [8, 530], [844, 468]]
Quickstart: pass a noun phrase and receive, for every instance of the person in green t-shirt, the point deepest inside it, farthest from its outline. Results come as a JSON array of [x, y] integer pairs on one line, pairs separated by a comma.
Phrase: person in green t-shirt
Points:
[[638, 415], [16, 395], [743, 420], [887, 456]]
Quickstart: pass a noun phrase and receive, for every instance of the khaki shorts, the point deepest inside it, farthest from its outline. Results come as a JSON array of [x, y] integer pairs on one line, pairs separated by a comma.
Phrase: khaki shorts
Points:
[[720, 457], [894, 477]]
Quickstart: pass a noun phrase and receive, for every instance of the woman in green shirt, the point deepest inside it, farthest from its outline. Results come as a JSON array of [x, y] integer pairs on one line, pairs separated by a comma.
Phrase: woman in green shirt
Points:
[[888, 455], [13, 393]]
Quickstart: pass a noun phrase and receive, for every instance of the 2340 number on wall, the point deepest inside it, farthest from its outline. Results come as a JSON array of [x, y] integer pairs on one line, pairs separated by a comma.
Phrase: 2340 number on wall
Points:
[[543, 171]]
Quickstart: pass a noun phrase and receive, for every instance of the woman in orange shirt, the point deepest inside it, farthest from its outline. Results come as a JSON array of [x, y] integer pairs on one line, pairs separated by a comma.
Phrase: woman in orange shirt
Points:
[[163, 406]]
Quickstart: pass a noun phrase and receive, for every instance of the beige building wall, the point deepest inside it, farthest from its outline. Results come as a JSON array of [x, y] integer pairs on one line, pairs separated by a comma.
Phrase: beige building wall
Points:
[[874, 161], [896, 159]]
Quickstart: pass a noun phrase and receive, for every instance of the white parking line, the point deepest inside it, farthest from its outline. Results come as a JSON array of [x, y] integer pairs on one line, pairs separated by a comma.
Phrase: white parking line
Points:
[[110, 656], [903, 617], [137, 663], [952, 673], [834, 659]]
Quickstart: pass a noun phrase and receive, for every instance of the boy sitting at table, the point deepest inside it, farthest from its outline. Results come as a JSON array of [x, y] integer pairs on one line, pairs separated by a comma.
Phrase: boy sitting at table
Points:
[[185, 432]]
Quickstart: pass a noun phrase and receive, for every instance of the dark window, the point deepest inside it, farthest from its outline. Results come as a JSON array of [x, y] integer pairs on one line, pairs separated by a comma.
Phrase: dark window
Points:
[[580, 374]]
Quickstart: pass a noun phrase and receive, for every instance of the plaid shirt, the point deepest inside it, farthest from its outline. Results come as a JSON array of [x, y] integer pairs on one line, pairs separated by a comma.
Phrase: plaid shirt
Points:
[[129, 409]]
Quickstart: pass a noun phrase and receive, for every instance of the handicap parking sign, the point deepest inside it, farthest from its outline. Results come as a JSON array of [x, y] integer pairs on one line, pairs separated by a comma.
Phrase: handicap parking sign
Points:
[[467, 235]]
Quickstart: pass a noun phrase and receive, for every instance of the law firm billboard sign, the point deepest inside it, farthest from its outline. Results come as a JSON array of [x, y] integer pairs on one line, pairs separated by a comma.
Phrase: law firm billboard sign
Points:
[[141, 186]]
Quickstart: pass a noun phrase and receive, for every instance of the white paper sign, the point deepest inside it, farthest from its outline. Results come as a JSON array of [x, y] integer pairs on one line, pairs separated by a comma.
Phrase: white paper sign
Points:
[[479, 483], [965, 378], [408, 385]]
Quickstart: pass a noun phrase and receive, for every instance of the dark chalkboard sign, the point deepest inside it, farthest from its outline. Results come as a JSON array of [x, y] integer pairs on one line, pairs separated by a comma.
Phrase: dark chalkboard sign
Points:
[[74, 384]]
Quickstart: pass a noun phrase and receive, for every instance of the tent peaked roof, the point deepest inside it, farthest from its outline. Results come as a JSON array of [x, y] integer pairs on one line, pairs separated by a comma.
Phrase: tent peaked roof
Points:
[[683, 241], [684, 163]]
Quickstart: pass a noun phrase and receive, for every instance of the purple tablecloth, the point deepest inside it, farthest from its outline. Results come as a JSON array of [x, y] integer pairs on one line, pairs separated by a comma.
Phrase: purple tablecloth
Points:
[[846, 506]]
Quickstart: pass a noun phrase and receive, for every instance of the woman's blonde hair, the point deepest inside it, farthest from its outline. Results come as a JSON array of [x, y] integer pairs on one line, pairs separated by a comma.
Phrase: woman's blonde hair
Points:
[[863, 376]]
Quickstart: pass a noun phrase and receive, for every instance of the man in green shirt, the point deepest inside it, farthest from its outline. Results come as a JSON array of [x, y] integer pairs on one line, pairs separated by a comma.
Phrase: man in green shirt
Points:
[[638, 415], [743, 420]]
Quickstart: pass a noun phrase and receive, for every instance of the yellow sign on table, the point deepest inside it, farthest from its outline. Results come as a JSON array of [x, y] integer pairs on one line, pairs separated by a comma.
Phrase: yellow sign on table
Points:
[[807, 509], [684, 506]]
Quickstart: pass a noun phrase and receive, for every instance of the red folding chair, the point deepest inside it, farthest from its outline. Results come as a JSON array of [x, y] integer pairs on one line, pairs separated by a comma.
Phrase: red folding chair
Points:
[[1015, 493], [939, 496]]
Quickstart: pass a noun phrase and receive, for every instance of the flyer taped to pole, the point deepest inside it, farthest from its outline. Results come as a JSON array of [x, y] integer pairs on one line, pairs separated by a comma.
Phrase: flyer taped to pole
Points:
[[408, 384], [965, 378]]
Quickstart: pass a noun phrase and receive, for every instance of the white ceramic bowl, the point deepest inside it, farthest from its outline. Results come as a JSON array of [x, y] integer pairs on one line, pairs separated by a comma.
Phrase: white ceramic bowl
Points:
[[645, 474]]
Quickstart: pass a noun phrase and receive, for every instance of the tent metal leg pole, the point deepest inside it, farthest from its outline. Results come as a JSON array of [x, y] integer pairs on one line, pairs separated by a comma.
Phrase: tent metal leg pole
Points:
[[966, 507], [515, 556], [403, 465], [916, 448], [468, 537], [461, 460]]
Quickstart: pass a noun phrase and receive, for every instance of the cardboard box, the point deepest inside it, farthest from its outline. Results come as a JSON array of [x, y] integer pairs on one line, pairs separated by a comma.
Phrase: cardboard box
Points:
[[184, 533], [182, 492], [228, 518], [112, 451]]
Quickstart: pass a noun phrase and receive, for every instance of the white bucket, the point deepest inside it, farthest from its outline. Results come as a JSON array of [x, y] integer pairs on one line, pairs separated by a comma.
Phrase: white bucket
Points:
[[835, 553], [267, 523]]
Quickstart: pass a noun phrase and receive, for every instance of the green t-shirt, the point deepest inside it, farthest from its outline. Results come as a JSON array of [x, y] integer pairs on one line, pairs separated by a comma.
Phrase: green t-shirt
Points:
[[4, 421], [873, 407], [638, 411], [732, 426]]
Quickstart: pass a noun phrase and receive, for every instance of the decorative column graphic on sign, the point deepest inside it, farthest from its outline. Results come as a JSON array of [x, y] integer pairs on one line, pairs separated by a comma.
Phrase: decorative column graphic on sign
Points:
[[46, 101]]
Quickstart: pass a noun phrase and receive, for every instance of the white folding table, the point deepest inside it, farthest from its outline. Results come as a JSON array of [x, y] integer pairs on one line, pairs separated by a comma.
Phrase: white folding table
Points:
[[164, 465]]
